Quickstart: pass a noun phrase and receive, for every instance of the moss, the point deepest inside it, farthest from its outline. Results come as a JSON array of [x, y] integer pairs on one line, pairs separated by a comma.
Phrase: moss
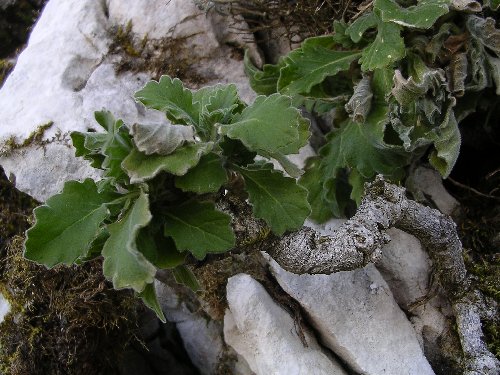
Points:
[[67, 320], [167, 55], [35, 137], [5, 68]]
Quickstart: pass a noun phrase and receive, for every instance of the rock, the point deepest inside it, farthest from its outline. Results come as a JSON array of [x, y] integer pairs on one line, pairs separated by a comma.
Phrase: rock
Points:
[[428, 182], [66, 73], [4, 307], [266, 336], [201, 336], [358, 319]]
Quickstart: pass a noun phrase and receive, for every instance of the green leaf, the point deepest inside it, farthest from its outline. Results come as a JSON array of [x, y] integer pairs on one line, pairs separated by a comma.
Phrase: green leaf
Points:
[[148, 296], [340, 35], [141, 167], [161, 139], [310, 64], [169, 95], [67, 224], [493, 4], [94, 156], [382, 83], [265, 81], [361, 25], [123, 263], [183, 275], [484, 30], [275, 198], [422, 15], [358, 186], [311, 180], [271, 125], [158, 249], [206, 177], [216, 104], [199, 228], [388, 47]]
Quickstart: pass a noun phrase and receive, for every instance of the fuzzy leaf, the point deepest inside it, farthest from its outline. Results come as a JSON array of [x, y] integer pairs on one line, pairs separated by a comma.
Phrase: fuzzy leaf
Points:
[[361, 25], [123, 263], [206, 177], [388, 47], [161, 139], [310, 64], [141, 167], [407, 91], [311, 180], [183, 275], [67, 224], [275, 198], [148, 296], [484, 30], [199, 228], [169, 95], [270, 124], [466, 6], [422, 15], [265, 81]]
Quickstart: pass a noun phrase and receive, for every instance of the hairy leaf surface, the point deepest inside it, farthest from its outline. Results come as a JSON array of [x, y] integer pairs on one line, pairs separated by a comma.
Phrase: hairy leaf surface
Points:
[[161, 139], [310, 64], [422, 15], [276, 199], [199, 228], [265, 81], [123, 263], [141, 167], [67, 224], [206, 177], [270, 124], [170, 96]]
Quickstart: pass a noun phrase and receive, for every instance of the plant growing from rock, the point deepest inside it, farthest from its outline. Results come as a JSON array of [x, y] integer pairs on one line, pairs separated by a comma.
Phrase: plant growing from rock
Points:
[[199, 184]]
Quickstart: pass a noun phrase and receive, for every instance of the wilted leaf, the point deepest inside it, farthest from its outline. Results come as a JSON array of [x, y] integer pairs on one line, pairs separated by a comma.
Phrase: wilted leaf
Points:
[[161, 139], [275, 198], [466, 6], [67, 224], [270, 124], [484, 30], [123, 263], [457, 74], [199, 228], [359, 105], [141, 167]]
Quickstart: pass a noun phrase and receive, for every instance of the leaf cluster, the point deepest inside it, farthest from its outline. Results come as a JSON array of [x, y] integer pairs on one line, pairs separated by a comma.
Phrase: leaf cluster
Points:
[[156, 203], [395, 83]]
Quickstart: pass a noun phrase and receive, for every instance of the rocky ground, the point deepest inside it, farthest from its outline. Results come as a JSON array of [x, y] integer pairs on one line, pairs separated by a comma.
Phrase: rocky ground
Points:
[[252, 317]]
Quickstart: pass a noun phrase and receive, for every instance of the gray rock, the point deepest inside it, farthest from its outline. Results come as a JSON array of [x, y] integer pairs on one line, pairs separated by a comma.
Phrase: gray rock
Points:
[[66, 73], [265, 335], [357, 318]]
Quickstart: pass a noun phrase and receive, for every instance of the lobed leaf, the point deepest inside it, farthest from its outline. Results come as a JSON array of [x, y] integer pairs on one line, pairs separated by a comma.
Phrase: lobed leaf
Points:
[[123, 263], [421, 15], [365, 22], [265, 81], [276, 199], [271, 124], [387, 48], [161, 139], [310, 64], [206, 177], [199, 228], [169, 95], [141, 167], [67, 224]]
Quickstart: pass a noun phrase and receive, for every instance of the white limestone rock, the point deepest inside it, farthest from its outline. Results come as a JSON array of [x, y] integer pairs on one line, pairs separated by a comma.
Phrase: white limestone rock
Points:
[[265, 335], [358, 319], [4, 307], [66, 73]]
